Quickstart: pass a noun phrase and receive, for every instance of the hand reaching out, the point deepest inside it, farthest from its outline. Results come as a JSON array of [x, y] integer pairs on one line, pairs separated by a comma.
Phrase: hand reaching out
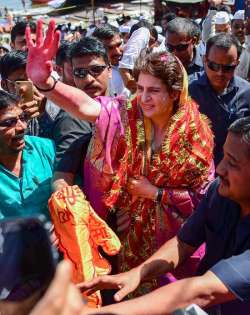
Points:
[[40, 55], [126, 282]]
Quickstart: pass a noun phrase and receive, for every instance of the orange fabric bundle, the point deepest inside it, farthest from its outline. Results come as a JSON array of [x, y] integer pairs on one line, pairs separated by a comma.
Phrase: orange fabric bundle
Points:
[[80, 231]]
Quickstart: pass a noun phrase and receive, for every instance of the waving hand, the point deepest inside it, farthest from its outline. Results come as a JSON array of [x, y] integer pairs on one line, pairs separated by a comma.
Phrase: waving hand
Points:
[[41, 53]]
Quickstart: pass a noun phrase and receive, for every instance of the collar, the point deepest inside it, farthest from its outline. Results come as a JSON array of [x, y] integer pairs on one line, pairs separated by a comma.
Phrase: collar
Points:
[[197, 59], [203, 80]]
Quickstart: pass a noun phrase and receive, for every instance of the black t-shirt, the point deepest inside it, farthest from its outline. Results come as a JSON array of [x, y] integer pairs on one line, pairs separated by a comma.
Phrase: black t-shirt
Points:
[[71, 136]]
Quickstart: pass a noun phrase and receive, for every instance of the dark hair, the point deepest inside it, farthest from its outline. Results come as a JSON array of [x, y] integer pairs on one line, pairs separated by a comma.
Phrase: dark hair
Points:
[[19, 29], [223, 41], [184, 25], [88, 46], [146, 24], [241, 127], [63, 53], [162, 65], [105, 32], [224, 7], [7, 99], [12, 61], [169, 16]]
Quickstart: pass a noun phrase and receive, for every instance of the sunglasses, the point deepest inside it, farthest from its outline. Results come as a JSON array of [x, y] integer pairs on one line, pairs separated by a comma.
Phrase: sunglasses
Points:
[[11, 122], [180, 47], [94, 71], [217, 67]]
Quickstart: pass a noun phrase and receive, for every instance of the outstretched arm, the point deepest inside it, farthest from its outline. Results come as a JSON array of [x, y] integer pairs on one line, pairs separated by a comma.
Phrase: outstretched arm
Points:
[[168, 257], [204, 291], [39, 68]]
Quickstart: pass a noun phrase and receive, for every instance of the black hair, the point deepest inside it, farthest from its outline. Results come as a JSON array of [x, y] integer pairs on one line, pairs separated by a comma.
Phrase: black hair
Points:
[[105, 32], [224, 7], [7, 99], [223, 41], [184, 25], [146, 24], [241, 127], [89, 46], [169, 16], [63, 53], [12, 61], [19, 29]]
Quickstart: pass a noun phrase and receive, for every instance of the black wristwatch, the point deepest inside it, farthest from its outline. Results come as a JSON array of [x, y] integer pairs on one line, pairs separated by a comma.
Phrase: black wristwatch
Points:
[[50, 89]]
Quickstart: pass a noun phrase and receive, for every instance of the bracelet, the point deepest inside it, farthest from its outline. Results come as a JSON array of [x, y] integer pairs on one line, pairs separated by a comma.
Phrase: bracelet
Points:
[[50, 89], [159, 195]]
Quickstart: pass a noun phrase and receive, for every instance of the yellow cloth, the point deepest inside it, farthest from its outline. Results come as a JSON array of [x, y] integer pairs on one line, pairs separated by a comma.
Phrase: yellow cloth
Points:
[[80, 231]]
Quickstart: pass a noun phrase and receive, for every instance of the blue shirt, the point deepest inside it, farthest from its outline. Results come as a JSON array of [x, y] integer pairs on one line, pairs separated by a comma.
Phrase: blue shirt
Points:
[[239, 5], [29, 193], [222, 109], [217, 222]]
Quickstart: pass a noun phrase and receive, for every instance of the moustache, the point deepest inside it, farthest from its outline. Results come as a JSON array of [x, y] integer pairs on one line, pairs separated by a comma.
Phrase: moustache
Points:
[[90, 86], [20, 135]]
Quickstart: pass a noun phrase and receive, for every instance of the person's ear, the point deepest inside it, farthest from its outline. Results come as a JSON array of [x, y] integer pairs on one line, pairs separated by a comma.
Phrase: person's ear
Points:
[[204, 59], [109, 72], [195, 40], [4, 85], [12, 45], [59, 70], [174, 94]]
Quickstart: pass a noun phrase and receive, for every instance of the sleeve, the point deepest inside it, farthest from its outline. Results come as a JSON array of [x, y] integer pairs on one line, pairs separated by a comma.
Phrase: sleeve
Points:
[[193, 230], [208, 29], [136, 43], [183, 202], [234, 272], [243, 67], [247, 37], [180, 202], [71, 137]]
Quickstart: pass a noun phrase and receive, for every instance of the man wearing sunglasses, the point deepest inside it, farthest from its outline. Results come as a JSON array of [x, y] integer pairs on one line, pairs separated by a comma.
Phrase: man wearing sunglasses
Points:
[[182, 38], [26, 163], [110, 37], [91, 72], [221, 95], [71, 135], [91, 68]]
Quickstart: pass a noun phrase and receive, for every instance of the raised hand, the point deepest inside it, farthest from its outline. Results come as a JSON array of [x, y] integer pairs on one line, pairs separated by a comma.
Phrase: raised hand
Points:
[[40, 55]]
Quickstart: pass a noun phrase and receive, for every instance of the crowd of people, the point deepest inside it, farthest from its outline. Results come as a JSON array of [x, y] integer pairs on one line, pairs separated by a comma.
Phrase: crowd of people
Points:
[[154, 127]]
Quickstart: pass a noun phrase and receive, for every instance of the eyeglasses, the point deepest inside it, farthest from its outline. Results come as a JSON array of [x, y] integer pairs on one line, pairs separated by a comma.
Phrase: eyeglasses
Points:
[[11, 122], [217, 67], [180, 47], [94, 71]]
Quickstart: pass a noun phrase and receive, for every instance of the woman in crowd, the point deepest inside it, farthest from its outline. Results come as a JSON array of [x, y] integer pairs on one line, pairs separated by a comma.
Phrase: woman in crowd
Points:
[[150, 158]]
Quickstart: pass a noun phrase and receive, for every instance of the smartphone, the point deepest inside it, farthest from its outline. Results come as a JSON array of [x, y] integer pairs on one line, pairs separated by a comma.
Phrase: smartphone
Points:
[[25, 90], [27, 260]]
